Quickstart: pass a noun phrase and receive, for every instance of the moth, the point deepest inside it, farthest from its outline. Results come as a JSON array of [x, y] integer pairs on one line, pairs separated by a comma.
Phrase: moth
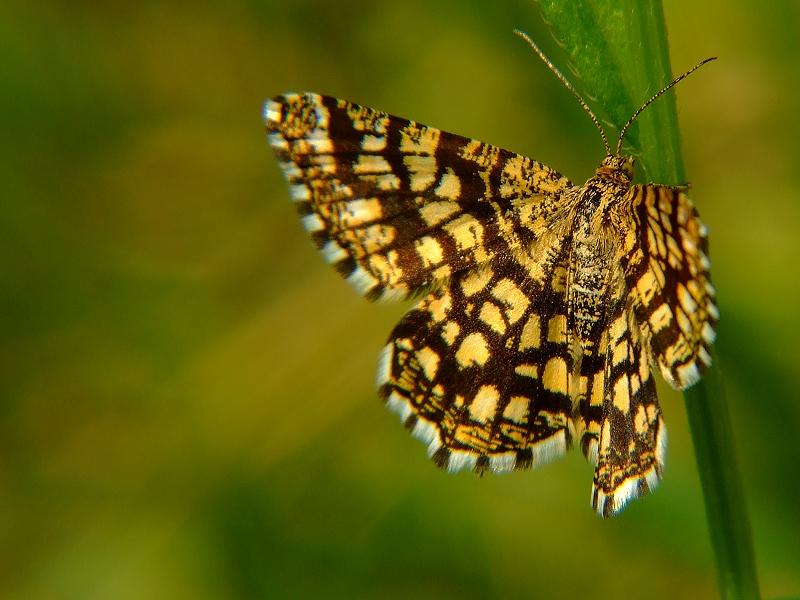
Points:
[[543, 307]]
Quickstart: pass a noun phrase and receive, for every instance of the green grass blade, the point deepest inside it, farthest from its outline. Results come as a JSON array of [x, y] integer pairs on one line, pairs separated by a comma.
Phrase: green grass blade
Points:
[[618, 50], [617, 65], [728, 522]]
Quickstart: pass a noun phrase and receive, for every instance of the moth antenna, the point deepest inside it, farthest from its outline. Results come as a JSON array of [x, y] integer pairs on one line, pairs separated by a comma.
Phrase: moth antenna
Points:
[[654, 97], [567, 85]]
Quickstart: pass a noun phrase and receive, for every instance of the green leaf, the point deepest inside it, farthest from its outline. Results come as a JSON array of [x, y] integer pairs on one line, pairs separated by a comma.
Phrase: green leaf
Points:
[[618, 54]]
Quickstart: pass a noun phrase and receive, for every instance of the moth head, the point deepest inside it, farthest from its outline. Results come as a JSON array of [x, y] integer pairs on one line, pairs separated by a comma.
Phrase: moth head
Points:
[[616, 168]]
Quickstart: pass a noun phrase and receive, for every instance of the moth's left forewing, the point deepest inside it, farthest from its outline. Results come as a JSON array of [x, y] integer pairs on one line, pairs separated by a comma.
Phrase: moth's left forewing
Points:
[[667, 272]]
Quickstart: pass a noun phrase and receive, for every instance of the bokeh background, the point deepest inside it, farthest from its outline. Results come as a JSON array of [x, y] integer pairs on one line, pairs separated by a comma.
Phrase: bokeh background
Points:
[[186, 389]]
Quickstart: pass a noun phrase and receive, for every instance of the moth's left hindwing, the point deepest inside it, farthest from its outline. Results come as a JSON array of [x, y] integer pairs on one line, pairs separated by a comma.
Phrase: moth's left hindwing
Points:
[[399, 207], [478, 370]]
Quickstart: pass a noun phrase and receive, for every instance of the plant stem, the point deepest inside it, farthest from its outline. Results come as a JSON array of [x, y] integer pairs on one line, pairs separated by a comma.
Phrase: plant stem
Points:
[[728, 522], [623, 43]]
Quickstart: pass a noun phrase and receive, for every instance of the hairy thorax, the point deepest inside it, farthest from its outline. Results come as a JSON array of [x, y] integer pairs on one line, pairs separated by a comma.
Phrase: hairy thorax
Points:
[[596, 228]]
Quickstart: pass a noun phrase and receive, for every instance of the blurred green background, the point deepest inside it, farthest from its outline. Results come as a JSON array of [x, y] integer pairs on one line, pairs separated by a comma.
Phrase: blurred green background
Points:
[[186, 389]]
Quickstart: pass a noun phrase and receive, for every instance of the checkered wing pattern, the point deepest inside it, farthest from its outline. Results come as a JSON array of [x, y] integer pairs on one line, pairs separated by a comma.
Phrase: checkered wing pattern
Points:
[[618, 419], [398, 207], [667, 270], [479, 369]]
